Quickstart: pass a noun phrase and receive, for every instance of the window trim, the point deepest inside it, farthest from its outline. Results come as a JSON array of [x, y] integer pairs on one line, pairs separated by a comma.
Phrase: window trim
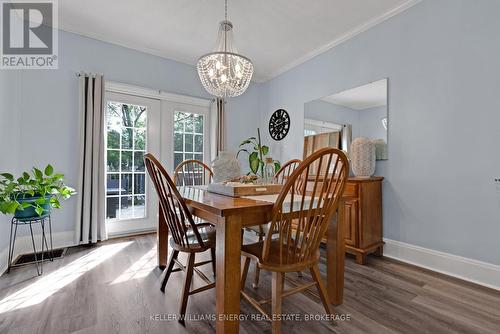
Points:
[[118, 87]]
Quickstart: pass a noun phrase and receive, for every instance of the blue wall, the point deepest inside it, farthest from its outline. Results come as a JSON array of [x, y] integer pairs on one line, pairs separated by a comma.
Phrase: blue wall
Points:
[[441, 58], [9, 134], [333, 113], [370, 123], [42, 113]]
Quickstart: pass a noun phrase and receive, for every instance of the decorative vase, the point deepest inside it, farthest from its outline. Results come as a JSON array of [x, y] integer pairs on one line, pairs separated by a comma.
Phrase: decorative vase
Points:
[[380, 149], [363, 157], [226, 167]]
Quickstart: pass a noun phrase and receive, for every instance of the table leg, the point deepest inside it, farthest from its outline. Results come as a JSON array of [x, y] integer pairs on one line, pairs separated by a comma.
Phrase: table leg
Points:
[[335, 257], [228, 261], [162, 240]]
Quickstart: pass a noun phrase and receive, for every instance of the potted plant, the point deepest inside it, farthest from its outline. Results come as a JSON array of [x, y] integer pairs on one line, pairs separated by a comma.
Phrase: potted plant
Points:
[[256, 155], [32, 195]]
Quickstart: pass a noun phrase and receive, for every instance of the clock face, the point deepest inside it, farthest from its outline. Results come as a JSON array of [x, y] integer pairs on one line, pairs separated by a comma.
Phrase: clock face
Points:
[[279, 124]]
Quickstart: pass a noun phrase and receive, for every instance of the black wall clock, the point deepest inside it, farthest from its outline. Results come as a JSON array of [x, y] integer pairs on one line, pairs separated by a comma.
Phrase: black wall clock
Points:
[[279, 124]]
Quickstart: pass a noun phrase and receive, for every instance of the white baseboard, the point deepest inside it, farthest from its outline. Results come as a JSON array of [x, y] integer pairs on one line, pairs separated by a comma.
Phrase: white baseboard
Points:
[[24, 245], [474, 271]]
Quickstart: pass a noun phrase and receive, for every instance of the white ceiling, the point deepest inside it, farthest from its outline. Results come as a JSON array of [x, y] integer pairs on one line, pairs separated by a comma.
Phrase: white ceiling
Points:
[[275, 34], [363, 97]]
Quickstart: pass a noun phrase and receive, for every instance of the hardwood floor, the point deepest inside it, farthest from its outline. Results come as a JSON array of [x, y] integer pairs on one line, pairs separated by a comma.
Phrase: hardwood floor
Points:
[[115, 288]]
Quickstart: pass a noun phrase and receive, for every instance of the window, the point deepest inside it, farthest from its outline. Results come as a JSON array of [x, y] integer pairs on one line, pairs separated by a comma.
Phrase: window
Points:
[[125, 170], [188, 137], [308, 132]]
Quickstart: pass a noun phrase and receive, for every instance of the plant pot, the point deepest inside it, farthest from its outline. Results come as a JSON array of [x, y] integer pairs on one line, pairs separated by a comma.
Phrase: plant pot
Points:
[[29, 212]]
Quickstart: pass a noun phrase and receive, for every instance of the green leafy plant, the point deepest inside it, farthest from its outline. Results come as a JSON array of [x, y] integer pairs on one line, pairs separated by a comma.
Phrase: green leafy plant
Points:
[[256, 154], [46, 189]]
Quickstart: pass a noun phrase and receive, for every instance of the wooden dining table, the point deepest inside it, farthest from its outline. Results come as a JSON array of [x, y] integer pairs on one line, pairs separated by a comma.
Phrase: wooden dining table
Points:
[[230, 215]]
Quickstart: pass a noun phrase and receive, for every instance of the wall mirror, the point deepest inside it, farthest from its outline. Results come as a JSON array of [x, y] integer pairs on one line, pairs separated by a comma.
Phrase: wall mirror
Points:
[[335, 120]]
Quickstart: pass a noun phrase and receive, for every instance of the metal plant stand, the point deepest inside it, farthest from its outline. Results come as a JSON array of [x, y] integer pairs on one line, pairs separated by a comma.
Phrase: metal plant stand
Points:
[[43, 220]]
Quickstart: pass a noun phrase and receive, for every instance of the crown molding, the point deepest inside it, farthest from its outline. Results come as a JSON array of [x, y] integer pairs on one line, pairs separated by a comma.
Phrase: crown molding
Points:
[[345, 37], [261, 79], [145, 50]]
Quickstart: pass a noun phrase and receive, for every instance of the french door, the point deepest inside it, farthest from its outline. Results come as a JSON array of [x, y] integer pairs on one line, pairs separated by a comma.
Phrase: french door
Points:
[[132, 126], [135, 125], [185, 133]]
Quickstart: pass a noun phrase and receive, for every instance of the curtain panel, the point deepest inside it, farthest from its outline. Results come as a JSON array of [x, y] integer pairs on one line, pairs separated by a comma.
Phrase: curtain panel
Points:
[[90, 220], [217, 114]]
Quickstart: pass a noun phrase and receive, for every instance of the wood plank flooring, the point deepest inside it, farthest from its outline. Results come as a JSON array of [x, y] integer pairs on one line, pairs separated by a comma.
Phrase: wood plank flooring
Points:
[[115, 288]]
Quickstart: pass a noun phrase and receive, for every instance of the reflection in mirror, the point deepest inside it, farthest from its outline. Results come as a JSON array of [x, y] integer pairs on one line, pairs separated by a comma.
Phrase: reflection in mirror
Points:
[[335, 120]]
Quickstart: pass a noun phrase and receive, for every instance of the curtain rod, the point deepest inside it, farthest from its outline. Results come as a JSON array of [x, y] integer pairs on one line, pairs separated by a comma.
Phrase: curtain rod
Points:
[[79, 74], [215, 99]]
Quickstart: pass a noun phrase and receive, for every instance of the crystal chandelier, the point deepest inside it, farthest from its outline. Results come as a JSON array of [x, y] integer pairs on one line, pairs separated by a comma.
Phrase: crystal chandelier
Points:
[[225, 73]]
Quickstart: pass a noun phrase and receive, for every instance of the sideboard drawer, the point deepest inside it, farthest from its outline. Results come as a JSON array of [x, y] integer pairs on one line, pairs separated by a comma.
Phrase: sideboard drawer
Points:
[[351, 190]]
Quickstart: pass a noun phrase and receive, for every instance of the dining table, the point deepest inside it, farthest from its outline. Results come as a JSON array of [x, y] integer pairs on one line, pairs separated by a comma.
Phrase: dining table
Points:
[[230, 215]]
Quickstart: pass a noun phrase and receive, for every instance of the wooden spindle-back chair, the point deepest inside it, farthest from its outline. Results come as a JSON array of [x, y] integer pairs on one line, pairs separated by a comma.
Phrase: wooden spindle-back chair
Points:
[[186, 236], [297, 249], [286, 170], [261, 230], [192, 173]]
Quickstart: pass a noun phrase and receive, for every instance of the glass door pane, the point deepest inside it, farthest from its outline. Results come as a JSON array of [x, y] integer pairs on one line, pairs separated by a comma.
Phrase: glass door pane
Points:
[[188, 137], [128, 138], [125, 174], [189, 140]]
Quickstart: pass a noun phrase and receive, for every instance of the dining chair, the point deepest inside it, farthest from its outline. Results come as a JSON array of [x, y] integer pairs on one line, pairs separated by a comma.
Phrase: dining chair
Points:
[[297, 249], [286, 170], [192, 173], [186, 236], [281, 177]]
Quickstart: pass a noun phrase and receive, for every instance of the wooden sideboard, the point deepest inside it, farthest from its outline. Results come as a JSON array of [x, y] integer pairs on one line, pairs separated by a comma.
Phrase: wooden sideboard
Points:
[[363, 217], [362, 207]]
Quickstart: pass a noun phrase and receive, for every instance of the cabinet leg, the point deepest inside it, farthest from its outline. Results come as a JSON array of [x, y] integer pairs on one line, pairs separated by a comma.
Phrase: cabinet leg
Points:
[[379, 252], [360, 258]]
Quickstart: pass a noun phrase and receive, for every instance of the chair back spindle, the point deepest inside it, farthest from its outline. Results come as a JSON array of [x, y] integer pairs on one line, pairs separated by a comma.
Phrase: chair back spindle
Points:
[[192, 173], [286, 170]]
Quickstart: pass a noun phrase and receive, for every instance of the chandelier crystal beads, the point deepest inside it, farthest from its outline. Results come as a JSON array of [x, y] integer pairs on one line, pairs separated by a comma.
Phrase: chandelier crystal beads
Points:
[[224, 73]]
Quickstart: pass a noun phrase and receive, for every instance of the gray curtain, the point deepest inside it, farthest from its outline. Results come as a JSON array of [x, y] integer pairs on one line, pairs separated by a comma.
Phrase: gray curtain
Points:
[[218, 127], [90, 220], [346, 138]]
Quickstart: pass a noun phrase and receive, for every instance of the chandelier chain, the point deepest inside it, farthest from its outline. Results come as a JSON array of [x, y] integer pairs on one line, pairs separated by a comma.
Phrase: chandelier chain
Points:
[[225, 30]]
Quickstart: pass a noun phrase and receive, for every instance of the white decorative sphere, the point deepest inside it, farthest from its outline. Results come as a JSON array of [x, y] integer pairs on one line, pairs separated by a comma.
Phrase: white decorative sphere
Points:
[[363, 157], [226, 167]]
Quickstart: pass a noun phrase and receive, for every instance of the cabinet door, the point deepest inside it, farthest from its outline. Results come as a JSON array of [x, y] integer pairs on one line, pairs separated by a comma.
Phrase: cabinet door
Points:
[[351, 222]]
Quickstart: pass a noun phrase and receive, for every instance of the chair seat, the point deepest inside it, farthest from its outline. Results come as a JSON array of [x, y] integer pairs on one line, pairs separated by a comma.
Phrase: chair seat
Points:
[[254, 251], [197, 220], [259, 228], [207, 234]]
